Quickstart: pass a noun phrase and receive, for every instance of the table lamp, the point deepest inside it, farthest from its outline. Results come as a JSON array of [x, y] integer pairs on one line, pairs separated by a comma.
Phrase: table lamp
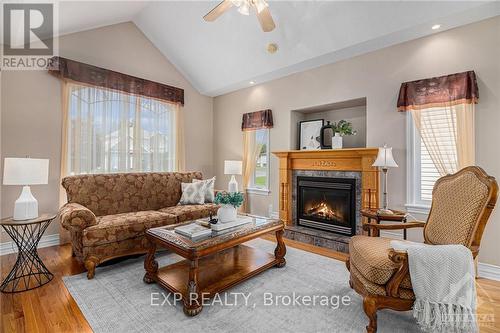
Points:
[[25, 172], [233, 168], [385, 160]]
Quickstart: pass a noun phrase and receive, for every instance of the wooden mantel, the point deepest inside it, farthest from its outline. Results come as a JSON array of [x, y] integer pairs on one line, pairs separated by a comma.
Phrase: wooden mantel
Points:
[[348, 159]]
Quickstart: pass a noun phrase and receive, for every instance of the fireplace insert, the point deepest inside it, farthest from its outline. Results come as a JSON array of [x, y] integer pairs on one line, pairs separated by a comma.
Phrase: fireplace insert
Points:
[[327, 204]]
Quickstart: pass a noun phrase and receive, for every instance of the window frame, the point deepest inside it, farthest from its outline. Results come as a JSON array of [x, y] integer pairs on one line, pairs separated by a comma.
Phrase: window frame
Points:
[[414, 203], [252, 188]]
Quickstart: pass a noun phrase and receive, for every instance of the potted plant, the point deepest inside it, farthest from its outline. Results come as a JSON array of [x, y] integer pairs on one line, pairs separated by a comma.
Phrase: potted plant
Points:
[[342, 128], [229, 201]]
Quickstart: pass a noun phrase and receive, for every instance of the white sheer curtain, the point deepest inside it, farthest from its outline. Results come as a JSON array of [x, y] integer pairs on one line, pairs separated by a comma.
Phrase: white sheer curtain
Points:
[[109, 131], [448, 134]]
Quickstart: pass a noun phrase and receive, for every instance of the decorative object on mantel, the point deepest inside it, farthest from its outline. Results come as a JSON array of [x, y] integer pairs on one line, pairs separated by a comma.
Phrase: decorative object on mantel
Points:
[[25, 172], [233, 168], [77, 71], [229, 201], [334, 133], [310, 133], [385, 160]]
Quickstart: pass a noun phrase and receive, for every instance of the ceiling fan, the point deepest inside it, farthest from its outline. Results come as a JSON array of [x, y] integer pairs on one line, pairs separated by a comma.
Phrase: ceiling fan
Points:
[[244, 6]]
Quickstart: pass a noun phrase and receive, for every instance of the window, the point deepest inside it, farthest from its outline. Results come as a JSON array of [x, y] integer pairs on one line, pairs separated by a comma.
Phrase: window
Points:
[[110, 131], [422, 172], [259, 182]]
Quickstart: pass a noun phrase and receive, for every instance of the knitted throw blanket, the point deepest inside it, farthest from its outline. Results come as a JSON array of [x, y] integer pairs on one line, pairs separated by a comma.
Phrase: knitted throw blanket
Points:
[[443, 280]]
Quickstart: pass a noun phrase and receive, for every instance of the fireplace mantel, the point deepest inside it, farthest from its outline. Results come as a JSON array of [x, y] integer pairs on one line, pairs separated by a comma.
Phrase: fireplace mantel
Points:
[[348, 159]]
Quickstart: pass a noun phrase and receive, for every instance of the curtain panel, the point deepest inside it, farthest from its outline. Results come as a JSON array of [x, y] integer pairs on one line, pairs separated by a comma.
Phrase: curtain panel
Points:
[[105, 78], [256, 120], [442, 91]]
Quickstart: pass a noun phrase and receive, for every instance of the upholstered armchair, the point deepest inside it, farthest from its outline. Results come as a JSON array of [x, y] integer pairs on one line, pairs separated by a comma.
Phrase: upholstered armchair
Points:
[[461, 206]]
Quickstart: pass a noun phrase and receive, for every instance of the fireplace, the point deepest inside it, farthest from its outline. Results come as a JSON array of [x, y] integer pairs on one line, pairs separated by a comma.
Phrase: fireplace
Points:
[[327, 204]]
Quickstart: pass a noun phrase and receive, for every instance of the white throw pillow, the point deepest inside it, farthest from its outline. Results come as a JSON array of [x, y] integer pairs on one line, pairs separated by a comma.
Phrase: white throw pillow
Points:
[[192, 193], [209, 188]]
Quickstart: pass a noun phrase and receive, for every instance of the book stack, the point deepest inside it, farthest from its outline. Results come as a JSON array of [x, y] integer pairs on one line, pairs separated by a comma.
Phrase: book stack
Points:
[[194, 231]]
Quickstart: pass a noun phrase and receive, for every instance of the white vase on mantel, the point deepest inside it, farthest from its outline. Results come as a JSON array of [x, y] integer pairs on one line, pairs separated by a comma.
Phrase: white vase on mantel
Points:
[[337, 141], [226, 213]]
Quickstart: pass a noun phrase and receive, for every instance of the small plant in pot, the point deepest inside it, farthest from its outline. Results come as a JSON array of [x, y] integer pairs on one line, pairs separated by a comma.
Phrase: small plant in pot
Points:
[[229, 201], [341, 129]]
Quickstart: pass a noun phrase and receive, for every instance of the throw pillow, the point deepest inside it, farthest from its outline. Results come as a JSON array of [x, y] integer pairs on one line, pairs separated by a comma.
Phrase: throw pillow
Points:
[[209, 188], [192, 193]]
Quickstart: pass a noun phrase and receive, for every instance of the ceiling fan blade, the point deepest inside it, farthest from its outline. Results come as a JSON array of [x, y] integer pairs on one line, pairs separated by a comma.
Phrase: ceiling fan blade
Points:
[[266, 20], [218, 10]]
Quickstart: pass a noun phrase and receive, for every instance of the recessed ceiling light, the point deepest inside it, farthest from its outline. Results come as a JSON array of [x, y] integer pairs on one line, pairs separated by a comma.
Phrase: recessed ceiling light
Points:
[[272, 48], [252, 82], [436, 26]]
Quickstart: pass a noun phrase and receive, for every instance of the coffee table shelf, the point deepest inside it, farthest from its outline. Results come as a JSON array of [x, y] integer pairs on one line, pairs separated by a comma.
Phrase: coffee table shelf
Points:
[[217, 272]]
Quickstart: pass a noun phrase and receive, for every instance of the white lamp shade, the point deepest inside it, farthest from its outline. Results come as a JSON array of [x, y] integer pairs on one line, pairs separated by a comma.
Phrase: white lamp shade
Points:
[[233, 167], [25, 171], [385, 158]]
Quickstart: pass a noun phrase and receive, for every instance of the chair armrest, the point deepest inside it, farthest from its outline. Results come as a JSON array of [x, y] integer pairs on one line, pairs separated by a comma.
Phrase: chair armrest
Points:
[[393, 226], [76, 217], [400, 258]]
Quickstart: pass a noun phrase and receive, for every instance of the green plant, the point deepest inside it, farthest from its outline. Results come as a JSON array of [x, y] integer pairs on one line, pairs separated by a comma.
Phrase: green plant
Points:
[[343, 127], [234, 199]]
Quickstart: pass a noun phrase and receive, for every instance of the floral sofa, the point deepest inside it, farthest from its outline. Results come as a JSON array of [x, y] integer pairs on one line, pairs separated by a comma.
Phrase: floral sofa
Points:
[[107, 214]]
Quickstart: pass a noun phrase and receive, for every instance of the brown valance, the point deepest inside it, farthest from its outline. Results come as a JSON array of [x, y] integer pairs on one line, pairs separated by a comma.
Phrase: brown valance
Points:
[[88, 74], [257, 120], [442, 91]]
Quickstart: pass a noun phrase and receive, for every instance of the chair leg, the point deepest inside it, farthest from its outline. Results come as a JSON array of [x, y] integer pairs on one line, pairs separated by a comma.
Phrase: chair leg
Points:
[[370, 306], [90, 264]]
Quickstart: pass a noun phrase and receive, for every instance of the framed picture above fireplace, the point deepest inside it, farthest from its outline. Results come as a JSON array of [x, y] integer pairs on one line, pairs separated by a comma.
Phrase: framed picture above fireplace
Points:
[[309, 134]]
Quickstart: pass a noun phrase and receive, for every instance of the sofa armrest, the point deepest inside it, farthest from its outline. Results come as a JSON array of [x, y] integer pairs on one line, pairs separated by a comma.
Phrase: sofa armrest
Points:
[[76, 217]]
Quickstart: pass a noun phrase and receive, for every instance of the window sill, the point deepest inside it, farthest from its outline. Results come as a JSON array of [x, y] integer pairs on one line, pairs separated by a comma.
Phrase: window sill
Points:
[[258, 191], [418, 208]]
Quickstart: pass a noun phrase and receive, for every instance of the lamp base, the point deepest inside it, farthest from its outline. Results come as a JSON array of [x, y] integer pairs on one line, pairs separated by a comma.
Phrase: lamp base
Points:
[[233, 185], [26, 206]]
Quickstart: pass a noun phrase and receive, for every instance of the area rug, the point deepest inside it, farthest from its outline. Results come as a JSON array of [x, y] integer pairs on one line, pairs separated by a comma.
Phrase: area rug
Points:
[[310, 294]]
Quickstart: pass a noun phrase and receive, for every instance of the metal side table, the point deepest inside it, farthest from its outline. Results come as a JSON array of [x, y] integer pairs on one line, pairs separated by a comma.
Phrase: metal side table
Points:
[[29, 272]]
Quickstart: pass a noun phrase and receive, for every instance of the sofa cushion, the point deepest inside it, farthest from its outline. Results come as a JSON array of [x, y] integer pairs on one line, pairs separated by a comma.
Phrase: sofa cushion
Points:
[[118, 227], [191, 212], [370, 256]]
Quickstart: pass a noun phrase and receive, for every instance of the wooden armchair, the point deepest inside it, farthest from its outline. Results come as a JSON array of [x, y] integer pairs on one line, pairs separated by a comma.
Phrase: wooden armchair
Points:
[[461, 206]]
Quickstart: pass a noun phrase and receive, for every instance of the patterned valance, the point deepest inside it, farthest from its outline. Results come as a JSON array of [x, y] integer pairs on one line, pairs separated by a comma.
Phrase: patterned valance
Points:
[[101, 77], [442, 91], [257, 120]]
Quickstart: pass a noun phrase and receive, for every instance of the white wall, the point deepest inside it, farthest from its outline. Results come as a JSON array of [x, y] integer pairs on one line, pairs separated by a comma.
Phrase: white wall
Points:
[[31, 106], [376, 76]]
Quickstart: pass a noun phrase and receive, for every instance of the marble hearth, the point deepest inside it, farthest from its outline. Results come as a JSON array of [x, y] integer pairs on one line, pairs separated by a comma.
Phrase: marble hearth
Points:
[[344, 163]]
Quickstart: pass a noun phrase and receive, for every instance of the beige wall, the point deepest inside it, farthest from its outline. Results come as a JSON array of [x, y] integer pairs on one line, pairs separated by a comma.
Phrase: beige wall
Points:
[[376, 76], [31, 106]]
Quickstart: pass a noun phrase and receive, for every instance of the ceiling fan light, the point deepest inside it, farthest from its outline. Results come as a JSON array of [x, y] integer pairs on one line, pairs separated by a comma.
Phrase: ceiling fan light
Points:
[[244, 8], [260, 5]]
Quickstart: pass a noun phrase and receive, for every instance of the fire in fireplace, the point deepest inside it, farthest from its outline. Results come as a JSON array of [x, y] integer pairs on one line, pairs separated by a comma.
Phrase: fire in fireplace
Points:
[[327, 204]]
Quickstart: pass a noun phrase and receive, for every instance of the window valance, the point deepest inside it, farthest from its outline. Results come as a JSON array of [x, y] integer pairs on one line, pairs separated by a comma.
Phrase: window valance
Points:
[[97, 76], [442, 91], [257, 120]]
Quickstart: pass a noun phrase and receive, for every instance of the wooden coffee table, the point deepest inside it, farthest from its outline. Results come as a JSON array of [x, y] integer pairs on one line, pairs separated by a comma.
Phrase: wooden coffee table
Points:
[[214, 264]]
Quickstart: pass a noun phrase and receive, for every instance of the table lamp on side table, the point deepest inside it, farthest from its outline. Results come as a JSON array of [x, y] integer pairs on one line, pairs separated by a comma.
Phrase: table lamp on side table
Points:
[[233, 168], [385, 160], [25, 172]]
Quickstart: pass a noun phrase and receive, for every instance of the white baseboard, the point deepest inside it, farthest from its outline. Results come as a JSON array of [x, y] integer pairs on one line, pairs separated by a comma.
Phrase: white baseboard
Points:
[[488, 271], [45, 241]]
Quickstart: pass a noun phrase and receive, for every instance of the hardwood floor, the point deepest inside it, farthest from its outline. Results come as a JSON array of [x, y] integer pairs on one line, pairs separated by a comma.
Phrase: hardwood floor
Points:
[[52, 309]]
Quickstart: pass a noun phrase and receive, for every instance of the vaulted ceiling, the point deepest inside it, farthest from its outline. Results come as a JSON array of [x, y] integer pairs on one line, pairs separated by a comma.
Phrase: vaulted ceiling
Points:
[[225, 55]]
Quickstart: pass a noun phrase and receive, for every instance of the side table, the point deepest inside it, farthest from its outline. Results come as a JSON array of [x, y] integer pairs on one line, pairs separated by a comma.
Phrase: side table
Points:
[[29, 272], [373, 214]]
